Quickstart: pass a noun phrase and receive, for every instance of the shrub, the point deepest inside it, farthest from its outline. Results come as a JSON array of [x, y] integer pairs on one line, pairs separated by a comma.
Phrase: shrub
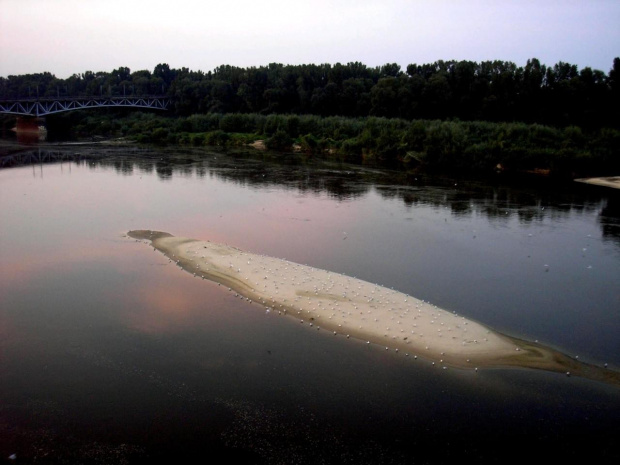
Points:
[[160, 135], [197, 139], [280, 140], [237, 122], [309, 143], [204, 123], [274, 123], [292, 126], [218, 138]]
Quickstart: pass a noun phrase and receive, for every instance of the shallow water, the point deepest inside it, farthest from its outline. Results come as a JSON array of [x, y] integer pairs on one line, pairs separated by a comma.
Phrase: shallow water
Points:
[[110, 351]]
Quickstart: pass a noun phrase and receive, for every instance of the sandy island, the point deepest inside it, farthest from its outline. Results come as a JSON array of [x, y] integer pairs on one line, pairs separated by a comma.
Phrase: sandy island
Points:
[[353, 308], [610, 181]]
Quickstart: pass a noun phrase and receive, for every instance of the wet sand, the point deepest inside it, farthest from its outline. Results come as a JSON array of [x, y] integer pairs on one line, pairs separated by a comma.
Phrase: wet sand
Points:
[[356, 309]]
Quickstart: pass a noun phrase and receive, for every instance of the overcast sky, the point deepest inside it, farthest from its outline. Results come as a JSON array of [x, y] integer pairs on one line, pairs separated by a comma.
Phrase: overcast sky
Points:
[[72, 36]]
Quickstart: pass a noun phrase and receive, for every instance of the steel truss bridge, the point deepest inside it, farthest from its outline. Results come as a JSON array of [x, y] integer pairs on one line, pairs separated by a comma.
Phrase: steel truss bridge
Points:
[[49, 106]]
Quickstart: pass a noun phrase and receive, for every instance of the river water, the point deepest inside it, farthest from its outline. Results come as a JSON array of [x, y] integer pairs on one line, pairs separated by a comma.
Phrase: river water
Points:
[[111, 354]]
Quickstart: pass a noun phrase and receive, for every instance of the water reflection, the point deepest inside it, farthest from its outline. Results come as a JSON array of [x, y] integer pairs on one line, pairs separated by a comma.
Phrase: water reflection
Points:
[[109, 343], [609, 218], [497, 199]]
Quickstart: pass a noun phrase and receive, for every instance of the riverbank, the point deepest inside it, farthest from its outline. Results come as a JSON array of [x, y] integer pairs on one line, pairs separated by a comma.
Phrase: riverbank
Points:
[[464, 146]]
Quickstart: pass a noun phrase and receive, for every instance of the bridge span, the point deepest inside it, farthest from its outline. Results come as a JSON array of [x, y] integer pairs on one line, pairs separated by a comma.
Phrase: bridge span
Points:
[[48, 106]]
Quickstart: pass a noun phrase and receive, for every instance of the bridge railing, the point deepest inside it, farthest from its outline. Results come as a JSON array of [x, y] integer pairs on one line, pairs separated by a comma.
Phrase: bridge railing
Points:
[[80, 97]]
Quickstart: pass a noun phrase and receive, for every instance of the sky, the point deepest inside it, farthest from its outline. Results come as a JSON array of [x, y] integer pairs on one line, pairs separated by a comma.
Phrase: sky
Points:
[[65, 37]]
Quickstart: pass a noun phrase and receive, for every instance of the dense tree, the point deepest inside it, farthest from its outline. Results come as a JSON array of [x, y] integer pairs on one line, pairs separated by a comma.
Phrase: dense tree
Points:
[[559, 95]]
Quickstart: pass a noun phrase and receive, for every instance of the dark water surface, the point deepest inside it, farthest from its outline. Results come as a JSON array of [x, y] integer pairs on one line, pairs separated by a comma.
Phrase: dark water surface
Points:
[[111, 354]]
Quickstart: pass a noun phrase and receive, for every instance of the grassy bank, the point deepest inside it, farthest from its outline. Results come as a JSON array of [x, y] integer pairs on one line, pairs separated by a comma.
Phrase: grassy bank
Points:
[[426, 144]]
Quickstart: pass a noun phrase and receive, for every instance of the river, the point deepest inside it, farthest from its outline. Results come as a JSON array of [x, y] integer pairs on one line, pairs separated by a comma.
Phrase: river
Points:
[[110, 353]]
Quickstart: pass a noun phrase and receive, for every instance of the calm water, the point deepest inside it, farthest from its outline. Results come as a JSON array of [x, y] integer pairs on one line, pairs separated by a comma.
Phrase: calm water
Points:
[[108, 353]]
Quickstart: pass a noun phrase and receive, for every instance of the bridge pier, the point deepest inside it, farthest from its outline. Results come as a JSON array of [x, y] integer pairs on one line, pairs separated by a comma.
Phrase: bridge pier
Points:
[[30, 128]]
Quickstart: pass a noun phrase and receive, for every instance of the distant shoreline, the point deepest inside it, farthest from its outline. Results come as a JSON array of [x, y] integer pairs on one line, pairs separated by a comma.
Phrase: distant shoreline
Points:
[[259, 145]]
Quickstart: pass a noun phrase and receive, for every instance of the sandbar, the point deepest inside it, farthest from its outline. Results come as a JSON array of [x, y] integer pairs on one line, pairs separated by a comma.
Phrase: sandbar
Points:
[[356, 309], [609, 181]]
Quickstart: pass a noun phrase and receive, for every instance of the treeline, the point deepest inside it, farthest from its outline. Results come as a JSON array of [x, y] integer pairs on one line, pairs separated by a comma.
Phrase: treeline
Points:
[[499, 91], [427, 144]]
